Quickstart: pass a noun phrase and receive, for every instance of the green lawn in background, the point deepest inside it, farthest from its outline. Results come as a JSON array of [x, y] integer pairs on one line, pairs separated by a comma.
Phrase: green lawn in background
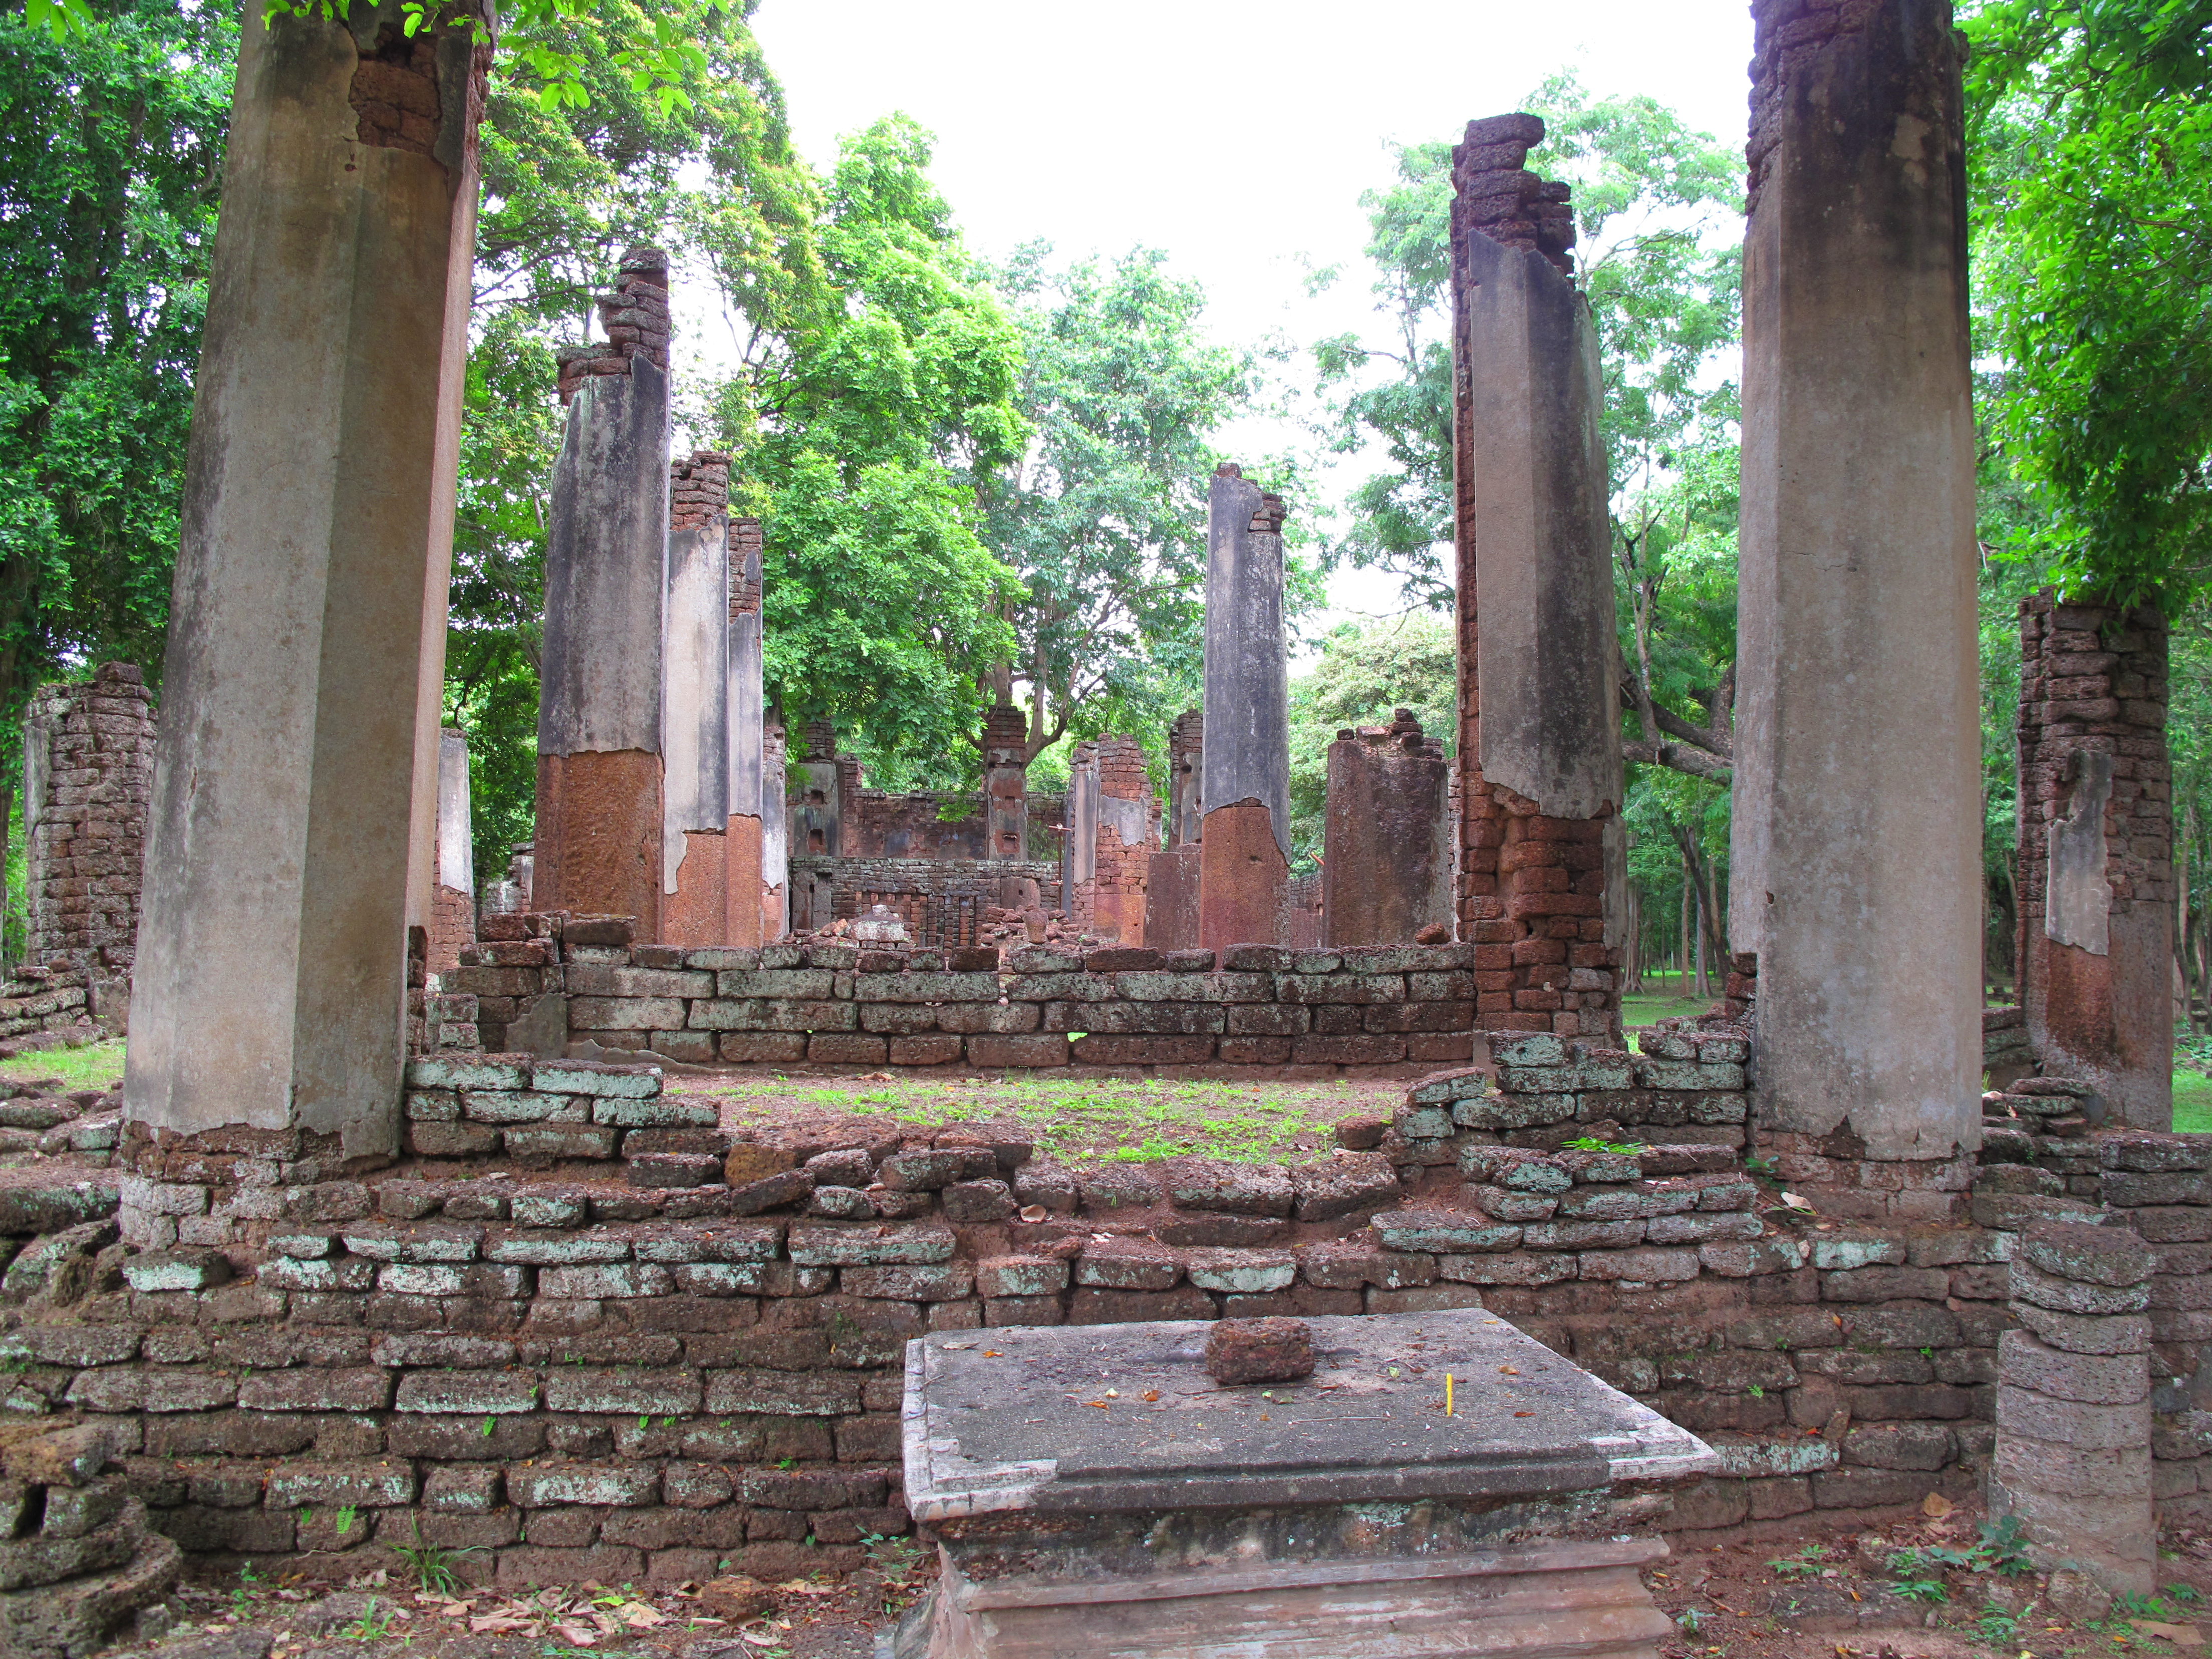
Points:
[[2192, 1102], [97, 1066], [1636, 1011]]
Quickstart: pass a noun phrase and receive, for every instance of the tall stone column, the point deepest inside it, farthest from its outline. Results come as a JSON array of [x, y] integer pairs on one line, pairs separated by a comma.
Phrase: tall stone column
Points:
[[1855, 871], [2095, 875], [1005, 784], [744, 915], [453, 877], [775, 835], [1387, 871], [1171, 882], [1186, 757], [599, 756], [270, 1002], [1540, 743], [694, 703], [1079, 846], [1244, 852]]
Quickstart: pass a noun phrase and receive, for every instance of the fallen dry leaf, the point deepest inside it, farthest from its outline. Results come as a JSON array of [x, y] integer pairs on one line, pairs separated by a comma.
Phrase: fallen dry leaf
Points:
[[1507, 1370], [1936, 1503], [1151, 1394], [2181, 1636]]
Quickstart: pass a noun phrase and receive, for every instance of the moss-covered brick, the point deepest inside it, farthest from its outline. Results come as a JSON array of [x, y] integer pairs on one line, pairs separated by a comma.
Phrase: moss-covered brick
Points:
[[626, 1013], [928, 1169], [557, 1249], [791, 984], [612, 1280], [341, 1273], [1244, 1272], [1358, 988], [599, 1486], [1002, 1276], [1171, 1018], [658, 1112], [560, 1141], [480, 1072], [433, 1105], [469, 1393], [1500, 1113], [1060, 988], [462, 1489], [782, 1394], [938, 1282], [1684, 1074], [721, 1278], [925, 988], [1440, 1231], [811, 1489], [365, 1485], [313, 1389], [384, 1242], [595, 979], [583, 1077], [606, 1389], [1143, 987], [523, 1106]]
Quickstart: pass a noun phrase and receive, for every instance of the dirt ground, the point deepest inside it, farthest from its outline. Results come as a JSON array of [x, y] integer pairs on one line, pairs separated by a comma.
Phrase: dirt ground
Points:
[[1906, 1585]]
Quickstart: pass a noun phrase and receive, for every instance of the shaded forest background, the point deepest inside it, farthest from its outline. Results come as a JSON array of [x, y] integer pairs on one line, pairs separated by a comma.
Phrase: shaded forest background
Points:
[[984, 480]]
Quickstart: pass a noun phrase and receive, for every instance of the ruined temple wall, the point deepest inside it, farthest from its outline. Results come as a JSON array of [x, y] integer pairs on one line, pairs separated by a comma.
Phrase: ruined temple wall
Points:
[[88, 776]]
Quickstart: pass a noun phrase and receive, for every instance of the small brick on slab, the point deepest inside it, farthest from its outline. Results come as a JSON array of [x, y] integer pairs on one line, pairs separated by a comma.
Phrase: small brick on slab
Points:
[[1259, 1351]]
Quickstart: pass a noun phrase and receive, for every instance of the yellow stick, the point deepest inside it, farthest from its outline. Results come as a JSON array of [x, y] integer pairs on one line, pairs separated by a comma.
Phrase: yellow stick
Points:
[[1447, 1393]]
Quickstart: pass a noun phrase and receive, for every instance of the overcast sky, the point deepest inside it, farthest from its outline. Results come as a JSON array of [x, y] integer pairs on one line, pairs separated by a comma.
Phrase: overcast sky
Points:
[[1236, 137]]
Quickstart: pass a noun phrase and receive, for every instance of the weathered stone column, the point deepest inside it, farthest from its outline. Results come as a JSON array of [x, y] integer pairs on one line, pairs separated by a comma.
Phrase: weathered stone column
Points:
[[694, 703], [1079, 845], [1171, 880], [2074, 1422], [270, 985], [599, 756], [453, 877], [1186, 814], [1387, 869], [775, 835], [1245, 856], [1856, 863], [1005, 784], [1540, 744], [2095, 874], [743, 914]]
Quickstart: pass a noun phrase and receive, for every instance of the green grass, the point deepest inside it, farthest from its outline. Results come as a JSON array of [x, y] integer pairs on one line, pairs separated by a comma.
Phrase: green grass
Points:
[[100, 1065], [2192, 1102], [1648, 1009]]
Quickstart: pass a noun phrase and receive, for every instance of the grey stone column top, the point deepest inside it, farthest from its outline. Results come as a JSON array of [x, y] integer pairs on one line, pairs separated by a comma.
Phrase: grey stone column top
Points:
[[1107, 1418], [1247, 717]]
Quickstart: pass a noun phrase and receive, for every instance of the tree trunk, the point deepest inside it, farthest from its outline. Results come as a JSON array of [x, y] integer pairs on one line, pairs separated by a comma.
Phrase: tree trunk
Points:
[[1689, 920]]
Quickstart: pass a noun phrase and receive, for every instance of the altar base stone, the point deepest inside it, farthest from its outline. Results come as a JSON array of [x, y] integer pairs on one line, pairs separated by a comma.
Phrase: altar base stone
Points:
[[1343, 1517]]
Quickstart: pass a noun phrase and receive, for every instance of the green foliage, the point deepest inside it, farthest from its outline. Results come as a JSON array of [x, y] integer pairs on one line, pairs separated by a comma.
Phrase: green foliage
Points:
[[1365, 672]]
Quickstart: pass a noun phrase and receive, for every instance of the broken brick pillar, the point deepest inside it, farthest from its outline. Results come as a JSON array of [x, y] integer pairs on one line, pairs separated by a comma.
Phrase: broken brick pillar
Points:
[[1387, 868], [2095, 878], [816, 826], [1122, 847], [744, 893], [775, 835], [1244, 851], [453, 925], [1856, 869], [1171, 878], [694, 703], [308, 612], [1005, 784], [1079, 838], [599, 757], [1541, 781], [88, 772]]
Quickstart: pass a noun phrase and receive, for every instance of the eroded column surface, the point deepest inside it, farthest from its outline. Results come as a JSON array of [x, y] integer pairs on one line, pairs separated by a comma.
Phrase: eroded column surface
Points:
[[1005, 784], [775, 835], [1855, 866], [599, 754], [1244, 855], [1123, 848], [744, 893], [1387, 869], [2095, 877], [271, 990], [1541, 782], [694, 703], [453, 881], [1079, 841]]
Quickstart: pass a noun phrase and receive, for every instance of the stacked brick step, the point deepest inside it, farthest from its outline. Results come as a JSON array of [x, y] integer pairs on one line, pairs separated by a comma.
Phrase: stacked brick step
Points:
[[2073, 1408], [77, 1560]]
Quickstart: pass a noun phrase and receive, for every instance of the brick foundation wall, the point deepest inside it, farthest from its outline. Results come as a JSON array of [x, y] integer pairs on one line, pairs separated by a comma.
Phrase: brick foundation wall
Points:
[[89, 764]]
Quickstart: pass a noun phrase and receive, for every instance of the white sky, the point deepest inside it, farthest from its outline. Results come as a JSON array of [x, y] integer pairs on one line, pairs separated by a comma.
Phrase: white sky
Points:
[[1236, 137]]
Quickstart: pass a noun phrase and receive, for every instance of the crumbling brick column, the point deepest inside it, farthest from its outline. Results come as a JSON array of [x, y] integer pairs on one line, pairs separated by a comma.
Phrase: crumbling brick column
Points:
[[2074, 1420], [695, 704], [1123, 847], [1244, 852], [2095, 872], [307, 621], [1005, 784], [1541, 781], [1387, 873], [452, 926], [88, 771], [600, 773], [1855, 868], [1171, 873], [744, 895]]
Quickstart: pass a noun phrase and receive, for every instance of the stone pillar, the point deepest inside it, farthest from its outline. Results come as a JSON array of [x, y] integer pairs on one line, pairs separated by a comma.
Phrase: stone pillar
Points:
[[1387, 869], [743, 913], [1122, 847], [1186, 755], [1244, 862], [1855, 871], [1078, 846], [599, 756], [452, 925], [695, 704], [2074, 1410], [88, 771], [1539, 742], [1005, 784], [2095, 875], [816, 816], [270, 985], [776, 837]]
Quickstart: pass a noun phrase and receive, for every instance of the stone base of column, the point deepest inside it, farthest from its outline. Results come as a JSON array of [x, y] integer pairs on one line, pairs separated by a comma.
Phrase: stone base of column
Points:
[[1243, 880], [1171, 900], [598, 847], [775, 914], [1835, 1176], [693, 914], [742, 900]]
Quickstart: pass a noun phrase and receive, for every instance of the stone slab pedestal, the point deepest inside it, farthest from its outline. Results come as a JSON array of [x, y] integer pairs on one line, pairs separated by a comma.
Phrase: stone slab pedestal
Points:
[[1094, 1491]]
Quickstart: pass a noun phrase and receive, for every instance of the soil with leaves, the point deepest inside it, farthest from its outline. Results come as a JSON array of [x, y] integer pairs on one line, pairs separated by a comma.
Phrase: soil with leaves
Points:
[[431, 1614], [1940, 1581]]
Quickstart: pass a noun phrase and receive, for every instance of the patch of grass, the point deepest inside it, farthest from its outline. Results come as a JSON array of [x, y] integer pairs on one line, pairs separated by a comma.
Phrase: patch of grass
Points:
[[1651, 1005], [98, 1066]]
